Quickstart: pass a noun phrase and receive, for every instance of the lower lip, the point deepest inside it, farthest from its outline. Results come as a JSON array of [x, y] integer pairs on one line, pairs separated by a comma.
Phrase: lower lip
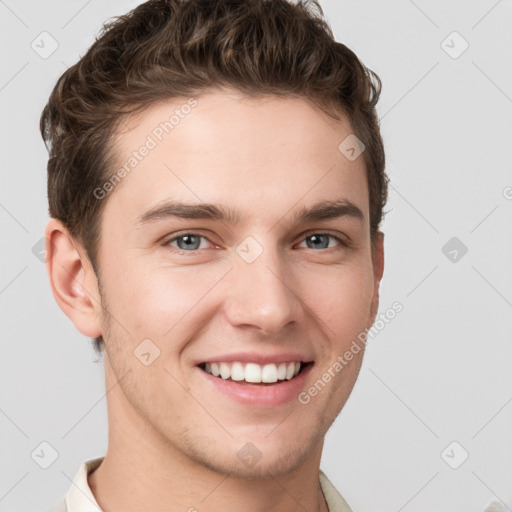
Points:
[[260, 395]]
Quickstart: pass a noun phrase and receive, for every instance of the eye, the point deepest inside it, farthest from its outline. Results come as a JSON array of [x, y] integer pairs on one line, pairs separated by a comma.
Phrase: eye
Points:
[[321, 241], [190, 242], [187, 242]]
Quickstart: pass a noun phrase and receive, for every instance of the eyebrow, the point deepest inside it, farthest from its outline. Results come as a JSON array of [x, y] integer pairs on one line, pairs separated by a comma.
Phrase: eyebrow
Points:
[[323, 210]]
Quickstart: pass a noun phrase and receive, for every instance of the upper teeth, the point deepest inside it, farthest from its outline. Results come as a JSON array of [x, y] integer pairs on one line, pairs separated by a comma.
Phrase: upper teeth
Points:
[[253, 372]]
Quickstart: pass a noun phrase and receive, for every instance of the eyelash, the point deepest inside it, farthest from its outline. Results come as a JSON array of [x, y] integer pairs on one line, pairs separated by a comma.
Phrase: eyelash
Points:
[[167, 243]]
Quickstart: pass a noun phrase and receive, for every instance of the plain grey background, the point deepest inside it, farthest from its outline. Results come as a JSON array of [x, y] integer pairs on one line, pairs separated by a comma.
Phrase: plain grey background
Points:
[[436, 382]]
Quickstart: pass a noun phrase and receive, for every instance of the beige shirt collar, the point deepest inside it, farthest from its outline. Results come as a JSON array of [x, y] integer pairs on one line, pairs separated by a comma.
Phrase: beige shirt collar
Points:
[[81, 499]]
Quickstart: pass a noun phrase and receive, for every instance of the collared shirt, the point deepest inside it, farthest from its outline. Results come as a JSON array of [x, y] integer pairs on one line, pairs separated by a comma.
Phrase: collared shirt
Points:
[[81, 499]]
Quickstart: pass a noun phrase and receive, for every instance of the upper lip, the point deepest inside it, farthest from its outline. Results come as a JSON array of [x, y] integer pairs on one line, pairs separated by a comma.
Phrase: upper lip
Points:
[[255, 357]]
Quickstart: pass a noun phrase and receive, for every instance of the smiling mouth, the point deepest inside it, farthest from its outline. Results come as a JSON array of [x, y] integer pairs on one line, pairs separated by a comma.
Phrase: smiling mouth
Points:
[[255, 374]]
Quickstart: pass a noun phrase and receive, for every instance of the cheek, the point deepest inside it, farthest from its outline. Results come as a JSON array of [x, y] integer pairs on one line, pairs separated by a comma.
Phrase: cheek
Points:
[[158, 303], [342, 298]]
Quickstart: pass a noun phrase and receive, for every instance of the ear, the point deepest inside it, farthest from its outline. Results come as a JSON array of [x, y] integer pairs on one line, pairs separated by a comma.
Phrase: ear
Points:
[[378, 271], [72, 279]]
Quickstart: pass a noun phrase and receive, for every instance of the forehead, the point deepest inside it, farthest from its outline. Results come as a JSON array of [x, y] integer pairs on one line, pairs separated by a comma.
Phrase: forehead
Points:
[[262, 155]]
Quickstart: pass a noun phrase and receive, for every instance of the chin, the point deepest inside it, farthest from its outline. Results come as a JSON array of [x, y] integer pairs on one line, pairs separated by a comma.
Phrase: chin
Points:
[[268, 466], [261, 458]]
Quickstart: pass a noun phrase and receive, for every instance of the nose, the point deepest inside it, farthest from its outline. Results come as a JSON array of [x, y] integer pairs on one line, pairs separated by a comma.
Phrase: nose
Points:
[[262, 296]]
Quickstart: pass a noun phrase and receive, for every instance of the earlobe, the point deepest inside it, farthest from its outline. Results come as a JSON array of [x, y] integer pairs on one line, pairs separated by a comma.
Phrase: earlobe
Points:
[[72, 279]]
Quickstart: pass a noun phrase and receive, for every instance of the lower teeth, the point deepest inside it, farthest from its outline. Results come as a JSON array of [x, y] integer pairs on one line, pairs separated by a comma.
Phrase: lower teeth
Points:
[[256, 383]]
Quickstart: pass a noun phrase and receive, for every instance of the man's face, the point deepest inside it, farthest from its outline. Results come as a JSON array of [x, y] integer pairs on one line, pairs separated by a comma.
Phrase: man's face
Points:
[[266, 286]]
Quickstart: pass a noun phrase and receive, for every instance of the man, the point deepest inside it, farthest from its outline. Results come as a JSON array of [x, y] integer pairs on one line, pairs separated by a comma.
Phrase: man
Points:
[[216, 184]]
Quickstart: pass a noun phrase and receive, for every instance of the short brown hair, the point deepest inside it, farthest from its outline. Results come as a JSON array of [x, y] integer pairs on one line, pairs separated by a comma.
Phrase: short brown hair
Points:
[[165, 49]]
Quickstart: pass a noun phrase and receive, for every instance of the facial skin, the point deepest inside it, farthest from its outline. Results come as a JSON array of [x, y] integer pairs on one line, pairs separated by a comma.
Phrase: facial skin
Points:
[[173, 439]]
